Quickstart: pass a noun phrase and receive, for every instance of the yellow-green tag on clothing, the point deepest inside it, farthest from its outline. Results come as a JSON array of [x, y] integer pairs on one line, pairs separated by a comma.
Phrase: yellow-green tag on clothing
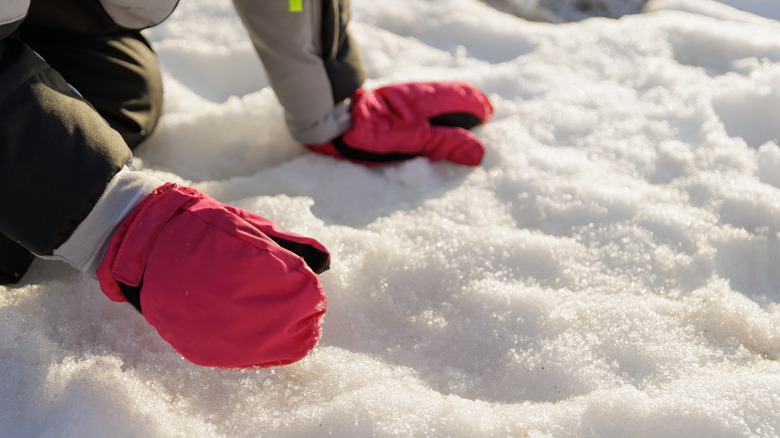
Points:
[[296, 5]]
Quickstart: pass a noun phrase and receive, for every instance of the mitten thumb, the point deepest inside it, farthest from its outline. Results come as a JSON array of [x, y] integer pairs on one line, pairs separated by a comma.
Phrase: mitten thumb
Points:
[[454, 144]]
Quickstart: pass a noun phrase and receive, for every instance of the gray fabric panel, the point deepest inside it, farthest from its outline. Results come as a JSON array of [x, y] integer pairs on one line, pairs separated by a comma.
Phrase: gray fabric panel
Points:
[[290, 47], [138, 14], [85, 17], [12, 12]]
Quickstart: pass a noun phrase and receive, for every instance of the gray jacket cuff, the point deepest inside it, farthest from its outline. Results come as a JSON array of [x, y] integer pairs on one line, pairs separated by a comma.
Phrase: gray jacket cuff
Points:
[[85, 247], [330, 126]]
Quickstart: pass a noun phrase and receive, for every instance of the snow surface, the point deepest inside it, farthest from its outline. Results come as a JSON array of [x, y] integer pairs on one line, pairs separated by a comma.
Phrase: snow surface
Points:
[[609, 270]]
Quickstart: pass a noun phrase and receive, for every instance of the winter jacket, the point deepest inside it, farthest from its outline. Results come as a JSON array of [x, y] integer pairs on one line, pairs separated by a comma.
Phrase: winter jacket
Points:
[[60, 150]]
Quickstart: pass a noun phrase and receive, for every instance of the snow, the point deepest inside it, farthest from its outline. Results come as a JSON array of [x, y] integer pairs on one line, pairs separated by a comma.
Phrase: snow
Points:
[[609, 270]]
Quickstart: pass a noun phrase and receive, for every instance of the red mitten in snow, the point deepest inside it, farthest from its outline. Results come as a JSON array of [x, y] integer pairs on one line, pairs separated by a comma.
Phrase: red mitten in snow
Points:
[[225, 287], [404, 121]]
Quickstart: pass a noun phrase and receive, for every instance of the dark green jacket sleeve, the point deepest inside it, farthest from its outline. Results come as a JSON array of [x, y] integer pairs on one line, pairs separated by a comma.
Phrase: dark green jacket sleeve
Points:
[[56, 153]]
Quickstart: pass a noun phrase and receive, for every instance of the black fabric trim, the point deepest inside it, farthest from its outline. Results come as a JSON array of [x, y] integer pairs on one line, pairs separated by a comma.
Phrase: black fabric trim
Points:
[[7, 29], [343, 63], [132, 294], [351, 153], [346, 72], [331, 28], [316, 259], [14, 260], [456, 120]]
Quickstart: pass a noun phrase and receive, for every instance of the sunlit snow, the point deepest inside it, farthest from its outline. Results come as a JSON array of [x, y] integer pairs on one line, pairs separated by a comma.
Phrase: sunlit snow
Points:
[[609, 270]]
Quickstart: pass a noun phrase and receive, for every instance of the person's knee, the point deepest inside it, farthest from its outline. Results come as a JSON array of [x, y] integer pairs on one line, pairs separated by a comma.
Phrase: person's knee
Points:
[[125, 86], [136, 119], [118, 75]]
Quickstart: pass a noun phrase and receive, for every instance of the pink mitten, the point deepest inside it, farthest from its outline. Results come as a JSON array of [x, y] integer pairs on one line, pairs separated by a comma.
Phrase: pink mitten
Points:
[[403, 121], [225, 287]]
